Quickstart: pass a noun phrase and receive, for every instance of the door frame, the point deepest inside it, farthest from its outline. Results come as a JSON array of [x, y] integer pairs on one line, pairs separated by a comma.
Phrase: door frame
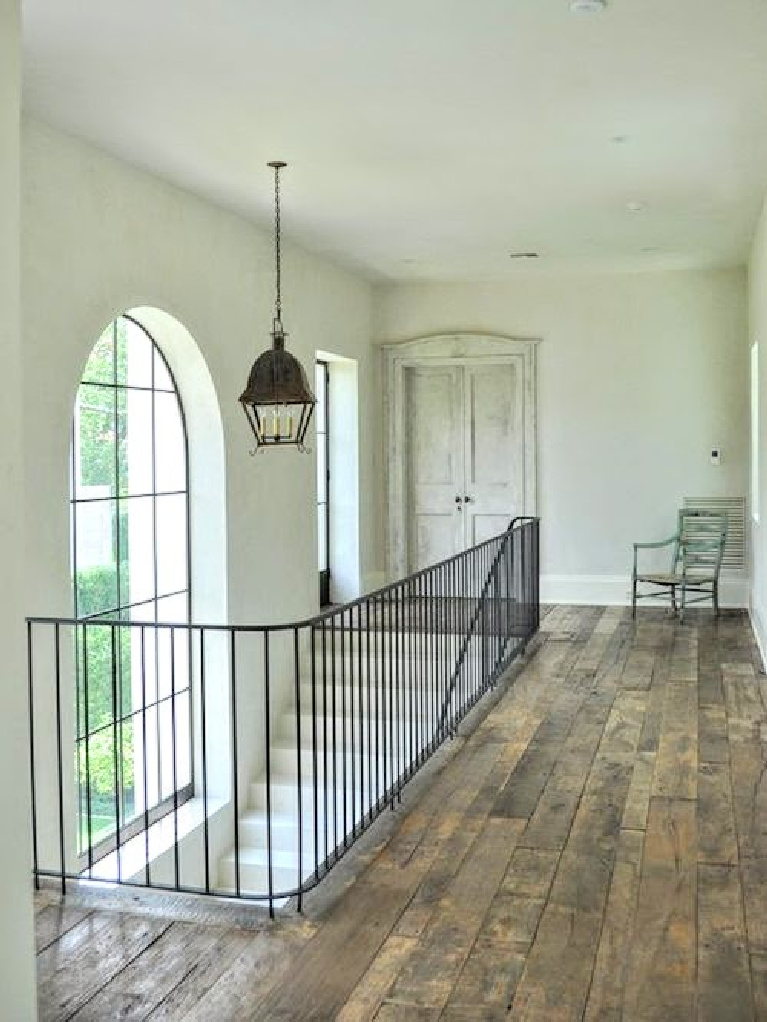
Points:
[[461, 349]]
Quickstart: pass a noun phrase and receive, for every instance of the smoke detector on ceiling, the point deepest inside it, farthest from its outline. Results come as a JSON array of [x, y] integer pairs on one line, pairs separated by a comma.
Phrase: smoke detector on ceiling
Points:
[[587, 6]]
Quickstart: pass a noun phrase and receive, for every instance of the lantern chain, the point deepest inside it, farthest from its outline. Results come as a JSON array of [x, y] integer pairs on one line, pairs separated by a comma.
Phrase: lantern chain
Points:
[[277, 252]]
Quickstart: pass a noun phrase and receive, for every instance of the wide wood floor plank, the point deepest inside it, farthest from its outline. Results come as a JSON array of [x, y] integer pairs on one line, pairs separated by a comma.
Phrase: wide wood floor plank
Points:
[[724, 982], [660, 983], [605, 999]]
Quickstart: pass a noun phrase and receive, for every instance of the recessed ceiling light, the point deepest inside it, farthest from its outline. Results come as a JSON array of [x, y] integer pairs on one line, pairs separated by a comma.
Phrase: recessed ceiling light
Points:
[[587, 6], [619, 139], [524, 255], [635, 207]]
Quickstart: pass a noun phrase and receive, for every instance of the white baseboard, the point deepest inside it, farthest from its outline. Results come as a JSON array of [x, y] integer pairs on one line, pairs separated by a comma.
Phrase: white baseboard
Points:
[[615, 591]]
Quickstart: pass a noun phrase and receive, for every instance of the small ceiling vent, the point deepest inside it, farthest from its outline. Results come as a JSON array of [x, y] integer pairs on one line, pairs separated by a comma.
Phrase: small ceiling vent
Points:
[[587, 6]]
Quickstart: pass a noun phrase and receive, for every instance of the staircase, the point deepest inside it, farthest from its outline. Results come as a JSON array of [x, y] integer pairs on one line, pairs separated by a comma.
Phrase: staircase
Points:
[[366, 724]]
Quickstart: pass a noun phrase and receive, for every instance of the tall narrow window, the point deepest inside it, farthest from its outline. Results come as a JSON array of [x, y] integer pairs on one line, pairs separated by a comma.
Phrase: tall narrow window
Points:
[[130, 563], [755, 431], [322, 390]]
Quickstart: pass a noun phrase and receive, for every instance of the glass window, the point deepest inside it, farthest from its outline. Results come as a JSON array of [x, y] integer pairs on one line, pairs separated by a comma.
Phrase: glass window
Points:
[[130, 563]]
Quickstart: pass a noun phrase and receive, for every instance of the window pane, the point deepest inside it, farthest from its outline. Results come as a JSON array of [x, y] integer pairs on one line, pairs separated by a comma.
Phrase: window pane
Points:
[[138, 580], [170, 444], [94, 442], [171, 544], [96, 576], [134, 354], [135, 451], [175, 610], [162, 378], [100, 761], [100, 365]]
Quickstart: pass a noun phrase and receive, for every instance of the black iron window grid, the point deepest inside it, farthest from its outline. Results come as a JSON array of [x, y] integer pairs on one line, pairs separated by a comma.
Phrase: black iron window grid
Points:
[[457, 625], [125, 828]]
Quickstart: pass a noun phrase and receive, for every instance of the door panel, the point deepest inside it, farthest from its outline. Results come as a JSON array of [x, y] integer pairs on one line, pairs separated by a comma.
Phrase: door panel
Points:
[[434, 422], [482, 527], [495, 451]]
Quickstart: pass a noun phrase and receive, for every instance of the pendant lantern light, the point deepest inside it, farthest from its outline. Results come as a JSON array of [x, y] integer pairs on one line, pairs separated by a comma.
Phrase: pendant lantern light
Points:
[[277, 400]]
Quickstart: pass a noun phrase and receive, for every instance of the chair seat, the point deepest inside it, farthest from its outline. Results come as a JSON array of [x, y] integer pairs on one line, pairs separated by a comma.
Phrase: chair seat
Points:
[[659, 579]]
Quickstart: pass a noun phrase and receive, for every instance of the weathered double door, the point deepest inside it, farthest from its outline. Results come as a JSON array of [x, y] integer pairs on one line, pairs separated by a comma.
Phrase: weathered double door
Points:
[[465, 443]]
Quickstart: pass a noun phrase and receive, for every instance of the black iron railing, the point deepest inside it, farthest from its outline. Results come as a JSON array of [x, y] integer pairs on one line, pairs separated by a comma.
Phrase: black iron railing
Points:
[[243, 761]]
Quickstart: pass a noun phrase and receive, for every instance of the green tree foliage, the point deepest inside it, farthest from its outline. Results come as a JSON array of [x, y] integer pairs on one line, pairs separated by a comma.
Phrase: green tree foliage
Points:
[[102, 461]]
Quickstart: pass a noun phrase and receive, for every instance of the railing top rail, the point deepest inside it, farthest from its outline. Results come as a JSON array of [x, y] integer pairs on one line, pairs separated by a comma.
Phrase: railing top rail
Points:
[[317, 619]]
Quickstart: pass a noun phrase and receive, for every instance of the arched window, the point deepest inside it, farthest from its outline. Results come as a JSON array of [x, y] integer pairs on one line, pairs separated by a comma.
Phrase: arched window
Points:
[[130, 563]]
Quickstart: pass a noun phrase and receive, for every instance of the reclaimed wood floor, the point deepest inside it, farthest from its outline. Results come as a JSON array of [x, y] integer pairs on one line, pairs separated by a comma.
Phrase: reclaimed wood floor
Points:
[[595, 849]]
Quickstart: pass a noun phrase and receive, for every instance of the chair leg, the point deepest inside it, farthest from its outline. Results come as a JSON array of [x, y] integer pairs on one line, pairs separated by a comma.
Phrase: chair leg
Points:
[[673, 600], [634, 598], [716, 599], [682, 602]]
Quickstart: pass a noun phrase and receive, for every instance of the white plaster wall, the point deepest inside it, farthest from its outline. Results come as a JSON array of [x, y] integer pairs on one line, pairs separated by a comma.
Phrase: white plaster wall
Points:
[[100, 237], [757, 330], [638, 376], [17, 963]]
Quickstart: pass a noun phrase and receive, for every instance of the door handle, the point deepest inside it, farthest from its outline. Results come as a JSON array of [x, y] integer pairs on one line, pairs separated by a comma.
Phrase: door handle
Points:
[[458, 503], [468, 500]]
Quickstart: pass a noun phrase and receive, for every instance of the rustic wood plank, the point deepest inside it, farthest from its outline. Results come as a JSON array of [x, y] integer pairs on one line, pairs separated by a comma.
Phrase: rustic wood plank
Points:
[[399, 1012], [717, 842], [53, 921], [676, 768], [660, 983], [217, 954], [754, 878], [555, 981], [372, 989], [639, 668], [488, 980], [638, 798], [429, 978], [261, 966], [139, 988], [724, 981], [759, 981], [712, 735], [605, 999], [74, 968]]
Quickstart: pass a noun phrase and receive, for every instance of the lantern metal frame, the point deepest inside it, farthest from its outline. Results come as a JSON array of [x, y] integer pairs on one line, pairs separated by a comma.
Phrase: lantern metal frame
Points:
[[278, 401]]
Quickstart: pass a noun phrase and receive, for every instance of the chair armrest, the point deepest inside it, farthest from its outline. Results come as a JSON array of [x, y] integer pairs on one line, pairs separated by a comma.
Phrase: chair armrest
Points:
[[662, 543]]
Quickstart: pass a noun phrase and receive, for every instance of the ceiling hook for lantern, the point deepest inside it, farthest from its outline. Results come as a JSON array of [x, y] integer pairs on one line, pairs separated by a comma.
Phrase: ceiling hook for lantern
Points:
[[277, 401]]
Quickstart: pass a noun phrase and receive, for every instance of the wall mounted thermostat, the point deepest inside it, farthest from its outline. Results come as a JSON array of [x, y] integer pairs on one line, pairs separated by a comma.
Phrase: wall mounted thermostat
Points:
[[716, 455]]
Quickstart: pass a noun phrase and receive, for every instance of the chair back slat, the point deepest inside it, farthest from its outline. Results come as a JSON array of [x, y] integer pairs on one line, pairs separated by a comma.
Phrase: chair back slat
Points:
[[702, 537]]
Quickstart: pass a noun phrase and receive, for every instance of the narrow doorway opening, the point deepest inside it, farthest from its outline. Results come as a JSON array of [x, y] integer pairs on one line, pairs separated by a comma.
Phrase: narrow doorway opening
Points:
[[322, 411]]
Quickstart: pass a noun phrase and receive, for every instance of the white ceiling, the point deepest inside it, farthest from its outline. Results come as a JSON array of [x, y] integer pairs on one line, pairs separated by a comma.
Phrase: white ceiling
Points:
[[430, 138]]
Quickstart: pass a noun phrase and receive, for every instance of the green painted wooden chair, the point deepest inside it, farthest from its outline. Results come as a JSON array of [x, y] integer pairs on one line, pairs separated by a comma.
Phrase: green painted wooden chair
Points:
[[696, 560]]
